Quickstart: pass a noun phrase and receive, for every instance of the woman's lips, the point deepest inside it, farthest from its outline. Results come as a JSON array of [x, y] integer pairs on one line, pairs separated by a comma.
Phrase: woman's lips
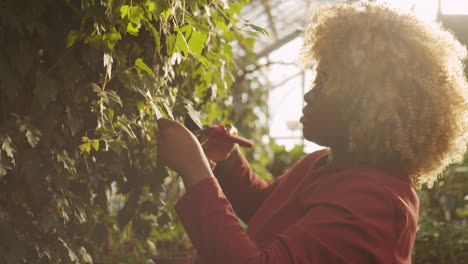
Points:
[[303, 119]]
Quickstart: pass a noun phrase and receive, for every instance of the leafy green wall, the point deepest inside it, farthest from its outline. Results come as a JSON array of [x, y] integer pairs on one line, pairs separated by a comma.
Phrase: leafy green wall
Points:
[[81, 85]]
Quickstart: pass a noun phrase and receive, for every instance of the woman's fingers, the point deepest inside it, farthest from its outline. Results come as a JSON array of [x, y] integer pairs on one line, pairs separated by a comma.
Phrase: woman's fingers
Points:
[[218, 148], [231, 130]]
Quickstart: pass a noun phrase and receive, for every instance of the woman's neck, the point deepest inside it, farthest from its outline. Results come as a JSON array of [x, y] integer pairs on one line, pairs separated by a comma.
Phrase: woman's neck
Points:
[[340, 156]]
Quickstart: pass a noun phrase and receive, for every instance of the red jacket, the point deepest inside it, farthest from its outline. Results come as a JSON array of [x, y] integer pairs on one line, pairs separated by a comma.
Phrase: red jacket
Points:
[[329, 214]]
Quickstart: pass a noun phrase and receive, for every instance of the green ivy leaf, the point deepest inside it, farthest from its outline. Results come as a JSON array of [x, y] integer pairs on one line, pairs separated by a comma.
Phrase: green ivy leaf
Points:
[[156, 37], [167, 109], [132, 29], [112, 95], [72, 37], [156, 110], [170, 43], [258, 29], [166, 13], [5, 165], [85, 147], [221, 25], [197, 41], [206, 62], [194, 115], [100, 92], [33, 136], [236, 7], [68, 163], [141, 105], [80, 214], [95, 144], [141, 65], [135, 14], [213, 112], [117, 146], [31, 132], [85, 256], [71, 253], [156, 7], [124, 11], [150, 6], [109, 114], [111, 37], [7, 145], [181, 43], [124, 124], [187, 29]]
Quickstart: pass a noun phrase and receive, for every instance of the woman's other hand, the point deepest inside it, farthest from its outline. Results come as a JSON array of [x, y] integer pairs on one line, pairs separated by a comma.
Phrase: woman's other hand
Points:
[[179, 149], [218, 148]]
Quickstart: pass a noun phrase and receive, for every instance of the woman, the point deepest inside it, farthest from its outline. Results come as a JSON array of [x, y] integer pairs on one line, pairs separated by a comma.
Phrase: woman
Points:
[[390, 102]]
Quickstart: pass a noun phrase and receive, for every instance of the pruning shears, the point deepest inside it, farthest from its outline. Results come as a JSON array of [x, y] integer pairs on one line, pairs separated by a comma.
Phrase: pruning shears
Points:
[[225, 131]]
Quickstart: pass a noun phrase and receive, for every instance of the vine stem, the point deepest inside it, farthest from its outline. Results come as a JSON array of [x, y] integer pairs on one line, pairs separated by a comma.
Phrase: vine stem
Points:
[[183, 12], [57, 62]]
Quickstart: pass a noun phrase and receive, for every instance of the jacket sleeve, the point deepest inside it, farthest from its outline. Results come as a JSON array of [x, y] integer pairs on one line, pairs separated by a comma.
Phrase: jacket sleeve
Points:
[[244, 189], [327, 233]]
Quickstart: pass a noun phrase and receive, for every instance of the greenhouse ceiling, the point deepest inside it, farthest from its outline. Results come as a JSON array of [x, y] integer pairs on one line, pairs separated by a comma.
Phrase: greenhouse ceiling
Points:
[[282, 18]]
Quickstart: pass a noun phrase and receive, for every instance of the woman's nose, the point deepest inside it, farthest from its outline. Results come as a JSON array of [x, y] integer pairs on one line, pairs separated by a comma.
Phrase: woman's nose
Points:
[[308, 97]]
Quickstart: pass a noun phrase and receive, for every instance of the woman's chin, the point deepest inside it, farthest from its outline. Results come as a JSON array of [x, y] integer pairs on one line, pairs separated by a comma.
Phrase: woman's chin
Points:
[[318, 135], [303, 120], [307, 131]]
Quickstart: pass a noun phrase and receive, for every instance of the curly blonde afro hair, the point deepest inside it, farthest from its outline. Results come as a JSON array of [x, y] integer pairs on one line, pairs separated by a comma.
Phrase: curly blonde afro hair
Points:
[[402, 84]]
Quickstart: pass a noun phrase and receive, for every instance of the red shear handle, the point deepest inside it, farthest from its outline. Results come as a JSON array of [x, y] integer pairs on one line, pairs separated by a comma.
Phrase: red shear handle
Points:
[[221, 131]]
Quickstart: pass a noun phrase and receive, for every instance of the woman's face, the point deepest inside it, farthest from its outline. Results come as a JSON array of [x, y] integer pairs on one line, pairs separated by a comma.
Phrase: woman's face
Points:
[[322, 121]]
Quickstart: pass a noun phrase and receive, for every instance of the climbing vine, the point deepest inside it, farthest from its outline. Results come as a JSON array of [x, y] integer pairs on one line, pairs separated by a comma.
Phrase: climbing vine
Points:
[[81, 85]]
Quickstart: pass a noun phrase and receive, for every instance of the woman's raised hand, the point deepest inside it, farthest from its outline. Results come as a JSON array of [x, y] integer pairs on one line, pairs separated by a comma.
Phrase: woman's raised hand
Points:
[[219, 148], [179, 149]]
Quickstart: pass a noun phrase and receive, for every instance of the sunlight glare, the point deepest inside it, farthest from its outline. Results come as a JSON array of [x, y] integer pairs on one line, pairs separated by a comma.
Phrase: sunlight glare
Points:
[[455, 7], [427, 9]]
